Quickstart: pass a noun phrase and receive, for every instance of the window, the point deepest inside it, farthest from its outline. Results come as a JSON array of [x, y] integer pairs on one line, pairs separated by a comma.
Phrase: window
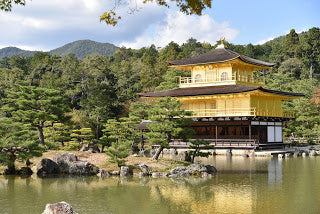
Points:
[[224, 76], [249, 78], [197, 78]]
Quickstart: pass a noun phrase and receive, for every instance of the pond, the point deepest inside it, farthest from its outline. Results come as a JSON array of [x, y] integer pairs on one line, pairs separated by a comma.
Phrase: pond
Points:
[[243, 185]]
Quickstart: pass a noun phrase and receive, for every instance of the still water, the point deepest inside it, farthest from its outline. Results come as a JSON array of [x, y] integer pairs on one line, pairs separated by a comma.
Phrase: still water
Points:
[[243, 185]]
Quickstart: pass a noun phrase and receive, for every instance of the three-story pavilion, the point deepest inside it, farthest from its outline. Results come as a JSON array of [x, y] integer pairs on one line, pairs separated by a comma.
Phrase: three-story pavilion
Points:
[[231, 107]]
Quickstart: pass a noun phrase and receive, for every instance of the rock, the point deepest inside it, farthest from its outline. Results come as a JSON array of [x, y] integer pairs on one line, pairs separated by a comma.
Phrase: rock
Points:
[[47, 167], [245, 155], [159, 174], [287, 155], [124, 171], [280, 156], [317, 152], [64, 160], [303, 154], [82, 168], [59, 208], [295, 154], [211, 169], [196, 169], [144, 153], [199, 169], [95, 149], [144, 168], [115, 173], [69, 163], [103, 173], [179, 171], [311, 153], [25, 171], [134, 155]]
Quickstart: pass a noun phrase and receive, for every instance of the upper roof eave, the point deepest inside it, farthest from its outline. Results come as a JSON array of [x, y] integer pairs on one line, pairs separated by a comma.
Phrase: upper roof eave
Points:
[[217, 56]]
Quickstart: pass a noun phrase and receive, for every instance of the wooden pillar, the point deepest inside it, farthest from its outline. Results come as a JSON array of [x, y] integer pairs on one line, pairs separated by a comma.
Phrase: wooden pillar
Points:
[[216, 134], [249, 130]]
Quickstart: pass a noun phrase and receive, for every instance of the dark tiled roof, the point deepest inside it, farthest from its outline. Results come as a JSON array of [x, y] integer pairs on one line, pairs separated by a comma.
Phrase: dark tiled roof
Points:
[[212, 90], [220, 55]]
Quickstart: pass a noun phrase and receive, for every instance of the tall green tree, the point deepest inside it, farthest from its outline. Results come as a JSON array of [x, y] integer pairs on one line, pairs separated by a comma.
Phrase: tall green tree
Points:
[[39, 107]]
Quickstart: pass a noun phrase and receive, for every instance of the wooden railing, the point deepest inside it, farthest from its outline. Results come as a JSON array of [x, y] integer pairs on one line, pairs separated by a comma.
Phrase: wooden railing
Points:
[[217, 80], [221, 143], [239, 112], [224, 112]]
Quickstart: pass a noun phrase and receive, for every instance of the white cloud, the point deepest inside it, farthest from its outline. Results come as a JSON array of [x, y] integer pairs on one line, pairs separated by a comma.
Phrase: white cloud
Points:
[[179, 27], [261, 42]]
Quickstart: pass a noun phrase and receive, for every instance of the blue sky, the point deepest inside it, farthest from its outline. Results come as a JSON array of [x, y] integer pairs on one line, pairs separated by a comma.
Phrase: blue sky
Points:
[[45, 24]]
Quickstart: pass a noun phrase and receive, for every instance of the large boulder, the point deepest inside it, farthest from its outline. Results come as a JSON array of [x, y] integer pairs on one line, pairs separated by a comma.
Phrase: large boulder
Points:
[[124, 171], [103, 173], [64, 160], [25, 171], [196, 169], [59, 208], [179, 171], [47, 167], [82, 168], [211, 169]]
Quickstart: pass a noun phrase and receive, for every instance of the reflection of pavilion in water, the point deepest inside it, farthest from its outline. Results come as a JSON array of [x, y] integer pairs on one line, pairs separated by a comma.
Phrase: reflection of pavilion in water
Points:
[[275, 171]]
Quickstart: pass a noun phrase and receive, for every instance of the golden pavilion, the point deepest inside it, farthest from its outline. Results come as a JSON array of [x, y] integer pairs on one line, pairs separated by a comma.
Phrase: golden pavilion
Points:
[[230, 106]]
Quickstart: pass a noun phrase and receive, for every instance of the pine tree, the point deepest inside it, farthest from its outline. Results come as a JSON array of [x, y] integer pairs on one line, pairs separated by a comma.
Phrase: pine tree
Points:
[[196, 148], [18, 142], [169, 122], [39, 107]]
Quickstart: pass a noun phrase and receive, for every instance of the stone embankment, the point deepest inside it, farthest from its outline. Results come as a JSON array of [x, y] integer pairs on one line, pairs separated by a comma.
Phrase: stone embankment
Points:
[[143, 170]]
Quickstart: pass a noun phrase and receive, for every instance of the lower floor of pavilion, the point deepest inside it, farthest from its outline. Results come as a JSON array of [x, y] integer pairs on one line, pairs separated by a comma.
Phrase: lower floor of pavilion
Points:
[[240, 132]]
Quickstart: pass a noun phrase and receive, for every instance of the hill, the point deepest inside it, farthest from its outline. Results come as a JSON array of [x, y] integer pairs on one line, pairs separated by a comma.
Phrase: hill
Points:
[[11, 51], [82, 48]]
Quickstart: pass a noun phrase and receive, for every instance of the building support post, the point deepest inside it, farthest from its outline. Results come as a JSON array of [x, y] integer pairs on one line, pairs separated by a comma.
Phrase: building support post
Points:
[[216, 134], [250, 131]]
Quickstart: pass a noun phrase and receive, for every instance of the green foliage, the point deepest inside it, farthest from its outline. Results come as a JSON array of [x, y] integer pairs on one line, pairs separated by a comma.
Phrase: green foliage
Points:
[[20, 142], [121, 135], [82, 136], [171, 79], [196, 148], [36, 106], [6, 5], [169, 122]]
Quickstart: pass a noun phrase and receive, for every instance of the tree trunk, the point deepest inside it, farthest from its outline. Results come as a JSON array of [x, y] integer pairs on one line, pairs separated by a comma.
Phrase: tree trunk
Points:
[[102, 149], [158, 152], [41, 136], [11, 166], [311, 71]]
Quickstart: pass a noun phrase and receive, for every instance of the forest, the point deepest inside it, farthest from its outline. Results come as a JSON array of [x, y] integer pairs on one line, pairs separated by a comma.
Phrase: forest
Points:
[[68, 100]]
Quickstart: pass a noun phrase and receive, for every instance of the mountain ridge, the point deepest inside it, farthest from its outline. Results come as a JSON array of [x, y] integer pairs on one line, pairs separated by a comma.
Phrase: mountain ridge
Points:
[[80, 48]]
